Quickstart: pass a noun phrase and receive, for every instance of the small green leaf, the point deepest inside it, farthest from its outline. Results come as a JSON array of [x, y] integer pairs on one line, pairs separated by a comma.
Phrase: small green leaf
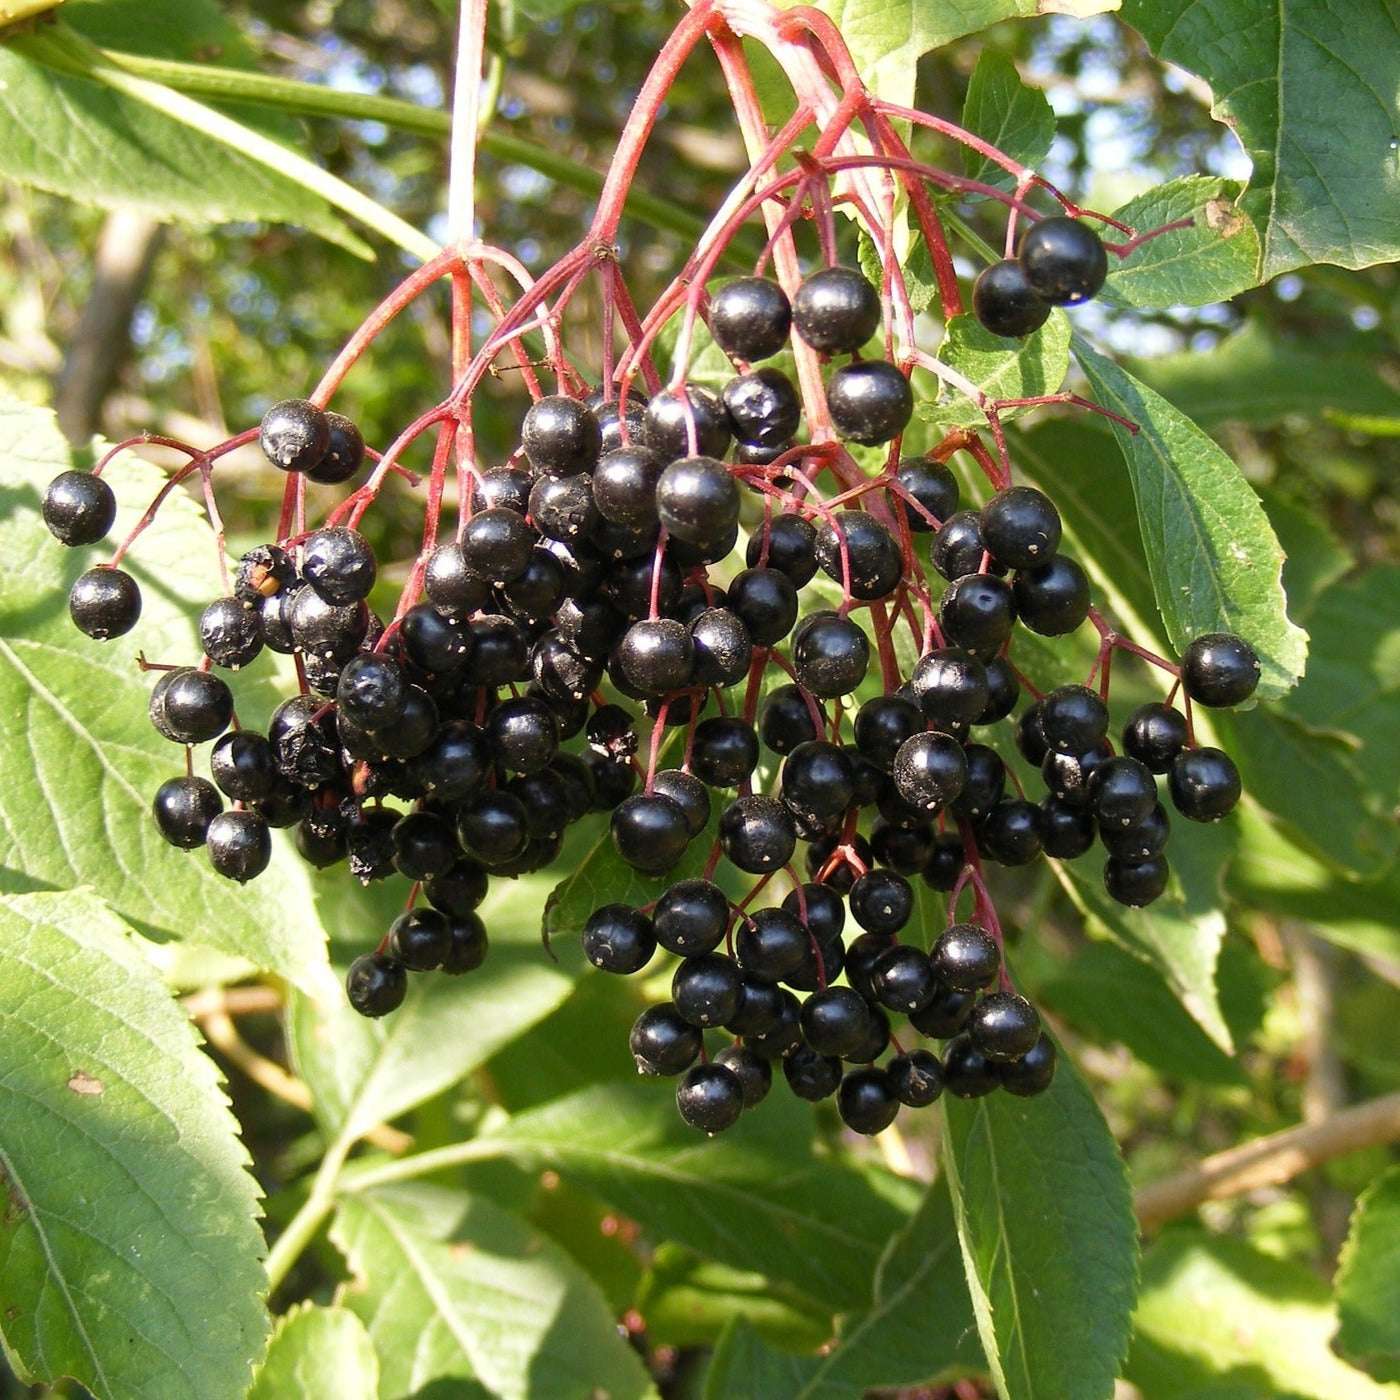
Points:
[[1016, 119], [1308, 87], [1213, 260], [1214, 559], [1180, 933], [920, 1328], [1254, 377], [364, 1072], [458, 1292], [744, 1365], [688, 1301], [1368, 1275], [1049, 1242], [81, 759], [129, 1244], [318, 1354], [998, 368], [1213, 1311], [756, 1198]]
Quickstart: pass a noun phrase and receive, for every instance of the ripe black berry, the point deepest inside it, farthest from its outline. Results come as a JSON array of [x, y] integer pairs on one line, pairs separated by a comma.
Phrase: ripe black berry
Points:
[[710, 1097], [881, 901], [757, 834], [560, 436], [867, 1101], [934, 490], [1154, 735], [697, 500], [763, 406], [376, 984], [870, 402], [1073, 719], [1219, 670], [690, 917], [79, 508], [183, 808], [812, 1076], [345, 453], [1032, 1073], [657, 655], [1063, 260], [1204, 784], [1054, 599], [1005, 302], [916, 1077], [903, 979], [649, 832], [724, 751], [104, 603], [965, 958], [1136, 884], [662, 1042], [294, 435], [618, 938], [189, 706], [830, 655], [1003, 1026], [930, 770], [967, 1072], [705, 989], [231, 632], [239, 845], [1122, 792], [340, 565], [755, 1074], [1021, 527], [750, 317], [978, 612], [836, 310], [686, 423], [858, 552], [243, 766], [421, 939]]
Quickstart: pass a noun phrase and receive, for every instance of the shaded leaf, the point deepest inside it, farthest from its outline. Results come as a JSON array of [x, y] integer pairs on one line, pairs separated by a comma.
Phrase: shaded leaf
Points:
[[1213, 1311], [920, 1328], [1368, 1275], [129, 1245], [1214, 560], [1000, 369], [756, 1198], [1257, 378], [1308, 87], [456, 1291], [318, 1354], [80, 757], [1213, 260], [1016, 119], [744, 1365], [364, 1072], [1049, 1242]]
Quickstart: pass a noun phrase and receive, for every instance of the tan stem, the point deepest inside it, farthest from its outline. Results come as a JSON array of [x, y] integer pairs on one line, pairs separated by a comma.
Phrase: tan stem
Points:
[[1269, 1161]]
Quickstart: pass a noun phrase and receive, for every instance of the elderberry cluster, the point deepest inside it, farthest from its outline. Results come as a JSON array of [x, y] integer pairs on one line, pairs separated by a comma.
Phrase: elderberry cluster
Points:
[[636, 570]]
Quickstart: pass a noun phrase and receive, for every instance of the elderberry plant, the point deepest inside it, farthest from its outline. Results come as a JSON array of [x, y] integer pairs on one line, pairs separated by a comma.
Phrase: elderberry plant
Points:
[[770, 646]]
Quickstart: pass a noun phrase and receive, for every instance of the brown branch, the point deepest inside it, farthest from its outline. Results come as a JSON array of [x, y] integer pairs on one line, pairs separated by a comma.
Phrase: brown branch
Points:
[[1269, 1161]]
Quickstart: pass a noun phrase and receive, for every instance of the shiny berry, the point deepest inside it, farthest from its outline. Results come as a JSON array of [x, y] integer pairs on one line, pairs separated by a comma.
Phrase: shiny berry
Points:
[[1063, 260], [294, 435], [1219, 670], [79, 508], [1005, 302], [104, 603], [836, 310]]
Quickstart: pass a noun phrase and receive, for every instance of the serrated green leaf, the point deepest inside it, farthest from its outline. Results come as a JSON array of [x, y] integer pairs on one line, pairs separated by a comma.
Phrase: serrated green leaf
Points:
[[1049, 1243], [1213, 260], [74, 138], [80, 757], [1214, 1311], [1254, 377], [1016, 119], [1214, 559], [999, 368], [743, 1365], [920, 1328], [1308, 87], [363, 1072], [457, 1292], [756, 1198], [1310, 780], [1368, 1275], [318, 1353], [129, 1245]]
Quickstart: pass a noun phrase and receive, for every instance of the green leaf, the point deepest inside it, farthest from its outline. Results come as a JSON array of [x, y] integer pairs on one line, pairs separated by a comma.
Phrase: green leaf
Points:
[[457, 1292], [744, 1365], [1214, 1311], [1116, 996], [89, 143], [1257, 378], [756, 1198], [920, 1328], [1308, 87], [688, 1301], [1368, 1275], [1214, 559], [318, 1354], [1213, 260], [365, 1072], [129, 1243], [1000, 369], [1049, 1243], [81, 759], [1016, 119], [1180, 933], [1273, 875]]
